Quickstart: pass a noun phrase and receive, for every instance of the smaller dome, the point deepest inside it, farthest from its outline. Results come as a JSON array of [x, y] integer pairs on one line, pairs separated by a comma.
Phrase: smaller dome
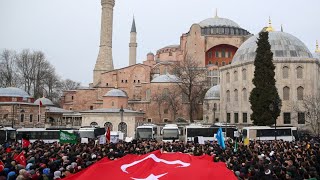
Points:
[[44, 101], [213, 93], [115, 93], [166, 78], [13, 92]]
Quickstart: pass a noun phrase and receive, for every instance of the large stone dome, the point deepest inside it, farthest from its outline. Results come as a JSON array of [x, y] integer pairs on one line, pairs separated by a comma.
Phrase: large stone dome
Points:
[[217, 21], [13, 92], [44, 101], [115, 93], [213, 93], [283, 45]]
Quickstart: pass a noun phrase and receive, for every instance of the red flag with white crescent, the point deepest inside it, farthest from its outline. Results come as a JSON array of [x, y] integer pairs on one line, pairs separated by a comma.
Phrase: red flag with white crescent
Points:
[[108, 135], [21, 159], [157, 166], [25, 143]]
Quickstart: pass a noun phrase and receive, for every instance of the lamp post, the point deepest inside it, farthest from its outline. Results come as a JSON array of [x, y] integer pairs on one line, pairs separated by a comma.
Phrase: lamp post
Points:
[[274, 106], [121, 118], [214, 113]]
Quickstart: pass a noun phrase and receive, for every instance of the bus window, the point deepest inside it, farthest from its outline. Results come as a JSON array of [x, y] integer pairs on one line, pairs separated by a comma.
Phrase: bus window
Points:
[[244, 133]]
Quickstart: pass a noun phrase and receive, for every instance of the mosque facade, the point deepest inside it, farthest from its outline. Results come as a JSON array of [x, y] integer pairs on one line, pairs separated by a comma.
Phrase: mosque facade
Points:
[[218, 44]]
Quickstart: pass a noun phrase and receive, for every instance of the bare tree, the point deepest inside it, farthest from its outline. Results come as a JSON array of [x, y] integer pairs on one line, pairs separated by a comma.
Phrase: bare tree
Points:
[[25, 69], [159, 98], [173, 98], [68, 84], [193, 83], [8, 76], [309, 108]]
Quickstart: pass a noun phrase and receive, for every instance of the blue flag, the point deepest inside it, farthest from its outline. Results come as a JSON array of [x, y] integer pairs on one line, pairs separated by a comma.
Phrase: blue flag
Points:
[[220, 139]]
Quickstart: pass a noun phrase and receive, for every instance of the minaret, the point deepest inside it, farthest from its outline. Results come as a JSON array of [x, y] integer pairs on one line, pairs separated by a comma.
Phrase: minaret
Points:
[[133, 44], [317, 47], [104, 61]]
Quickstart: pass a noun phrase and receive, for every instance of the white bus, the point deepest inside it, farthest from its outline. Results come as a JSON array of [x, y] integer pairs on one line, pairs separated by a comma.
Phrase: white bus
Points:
[[91, 132], [208, 132], [147, 131], [266, 133], [47, 135], [7, 134], [170, 133]]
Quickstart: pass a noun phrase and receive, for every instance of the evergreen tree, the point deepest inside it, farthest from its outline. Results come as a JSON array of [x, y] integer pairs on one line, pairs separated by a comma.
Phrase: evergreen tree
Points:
[[264, 98]]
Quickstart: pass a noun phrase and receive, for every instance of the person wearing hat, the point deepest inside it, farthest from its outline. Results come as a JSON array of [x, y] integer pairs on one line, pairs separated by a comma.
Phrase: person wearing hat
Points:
[[46, 174], [57, 175]]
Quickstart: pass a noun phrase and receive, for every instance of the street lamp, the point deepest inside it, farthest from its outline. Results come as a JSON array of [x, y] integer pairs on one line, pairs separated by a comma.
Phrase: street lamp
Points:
[[121, 118], [214, 113], [275, 106]]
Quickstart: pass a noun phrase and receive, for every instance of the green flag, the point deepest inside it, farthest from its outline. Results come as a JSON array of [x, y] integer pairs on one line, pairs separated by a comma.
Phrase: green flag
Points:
[[66, 137], [235, 146]]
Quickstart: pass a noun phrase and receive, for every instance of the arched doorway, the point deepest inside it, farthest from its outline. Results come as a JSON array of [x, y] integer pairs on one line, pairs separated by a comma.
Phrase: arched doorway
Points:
[[123, 128], [108, 124]]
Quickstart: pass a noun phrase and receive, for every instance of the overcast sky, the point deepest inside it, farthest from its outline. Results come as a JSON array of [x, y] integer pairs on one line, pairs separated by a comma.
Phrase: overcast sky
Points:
[[68, 31]]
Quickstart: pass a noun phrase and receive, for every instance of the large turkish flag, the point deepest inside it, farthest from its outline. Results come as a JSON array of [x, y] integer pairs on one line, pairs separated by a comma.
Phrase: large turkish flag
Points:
[[156, 166]]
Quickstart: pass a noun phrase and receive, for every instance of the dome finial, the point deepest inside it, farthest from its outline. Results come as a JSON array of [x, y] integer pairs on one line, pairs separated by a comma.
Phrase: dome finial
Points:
[[216, 15], [317, 47], [270, 28]]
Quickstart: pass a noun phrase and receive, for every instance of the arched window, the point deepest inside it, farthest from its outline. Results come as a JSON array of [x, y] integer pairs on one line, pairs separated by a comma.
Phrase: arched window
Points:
[[210, 62], [299, 72], [228, 96], [285, 72], [235, 95], [223, 63], [228, 77], [286, 93], [244, 74], [245, 96], [235, 75], [94, 124], [112, 103], [21, 117], [215, 106], [208, 106], [123, 128], [300, 93], [108, 124]]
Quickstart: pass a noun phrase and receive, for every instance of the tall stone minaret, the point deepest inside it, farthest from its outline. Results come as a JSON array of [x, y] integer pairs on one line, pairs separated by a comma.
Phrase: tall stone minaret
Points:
[[133, 44], [104, 61]]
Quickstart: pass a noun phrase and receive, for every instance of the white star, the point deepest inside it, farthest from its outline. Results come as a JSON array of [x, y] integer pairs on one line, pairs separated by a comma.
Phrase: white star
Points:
[[152, 177]]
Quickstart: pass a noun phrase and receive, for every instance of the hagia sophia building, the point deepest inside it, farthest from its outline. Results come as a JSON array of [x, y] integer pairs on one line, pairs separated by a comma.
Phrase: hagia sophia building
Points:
[[219, 44], [126, 97]]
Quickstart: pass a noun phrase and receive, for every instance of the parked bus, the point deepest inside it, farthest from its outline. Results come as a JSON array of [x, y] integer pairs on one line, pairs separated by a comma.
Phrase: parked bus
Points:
[[208, 132], [47, 135], [7, 134], [146, 132], [91, 132], [266, 133], [170, 133]]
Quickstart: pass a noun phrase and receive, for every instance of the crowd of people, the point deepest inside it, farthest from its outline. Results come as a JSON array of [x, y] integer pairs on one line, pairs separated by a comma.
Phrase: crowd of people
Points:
[[258, 160]]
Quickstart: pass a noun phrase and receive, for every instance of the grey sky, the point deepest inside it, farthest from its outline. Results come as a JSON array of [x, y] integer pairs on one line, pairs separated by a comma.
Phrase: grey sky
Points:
[[68, 30]]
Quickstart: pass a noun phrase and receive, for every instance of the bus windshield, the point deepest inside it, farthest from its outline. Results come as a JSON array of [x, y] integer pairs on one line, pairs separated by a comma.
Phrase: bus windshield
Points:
[[144, 133], [170, 134]]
